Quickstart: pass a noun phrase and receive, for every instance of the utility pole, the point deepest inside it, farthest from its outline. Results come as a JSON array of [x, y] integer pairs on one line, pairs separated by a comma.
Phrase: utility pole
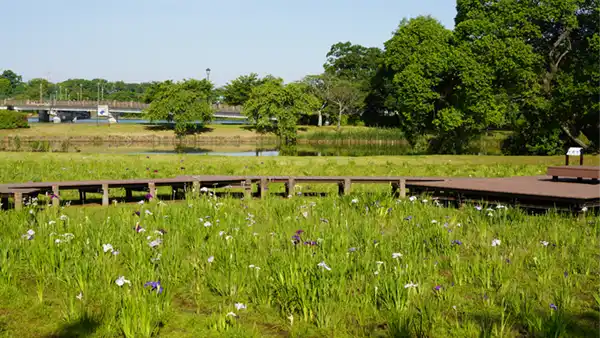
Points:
[[41, 97], [80, 92]]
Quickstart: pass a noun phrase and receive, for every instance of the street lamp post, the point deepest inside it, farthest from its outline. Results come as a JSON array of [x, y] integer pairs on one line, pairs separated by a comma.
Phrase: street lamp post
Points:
[[208, 74], [80, 92]]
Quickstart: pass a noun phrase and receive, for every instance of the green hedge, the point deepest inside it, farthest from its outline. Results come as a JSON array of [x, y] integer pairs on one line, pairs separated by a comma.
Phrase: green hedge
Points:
[[12, 120]]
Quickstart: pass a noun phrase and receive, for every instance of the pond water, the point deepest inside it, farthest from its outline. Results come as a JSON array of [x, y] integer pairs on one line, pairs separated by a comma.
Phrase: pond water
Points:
[[211, 150]]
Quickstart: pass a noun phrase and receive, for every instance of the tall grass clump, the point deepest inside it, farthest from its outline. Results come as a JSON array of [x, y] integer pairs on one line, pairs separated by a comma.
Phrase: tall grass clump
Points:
[[355, 135]]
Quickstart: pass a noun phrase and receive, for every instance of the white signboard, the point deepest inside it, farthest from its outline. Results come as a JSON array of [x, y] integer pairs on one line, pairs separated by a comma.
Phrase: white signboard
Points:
[[103, 110], [574, 151]]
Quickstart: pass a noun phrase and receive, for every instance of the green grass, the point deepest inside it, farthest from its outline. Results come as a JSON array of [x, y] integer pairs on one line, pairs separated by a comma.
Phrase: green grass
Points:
[[485, 290]]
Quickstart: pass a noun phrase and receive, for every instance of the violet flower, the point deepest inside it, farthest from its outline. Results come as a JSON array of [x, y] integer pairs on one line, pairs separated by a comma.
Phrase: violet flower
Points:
[[155, 286], [553, 307], [149, 196]]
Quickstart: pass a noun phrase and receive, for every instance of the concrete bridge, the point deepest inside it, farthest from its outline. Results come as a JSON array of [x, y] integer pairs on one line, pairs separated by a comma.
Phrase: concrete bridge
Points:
[[221, 111]]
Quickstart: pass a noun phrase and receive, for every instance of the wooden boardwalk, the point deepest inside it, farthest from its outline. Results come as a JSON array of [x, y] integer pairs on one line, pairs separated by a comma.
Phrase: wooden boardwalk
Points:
[[579, 191]]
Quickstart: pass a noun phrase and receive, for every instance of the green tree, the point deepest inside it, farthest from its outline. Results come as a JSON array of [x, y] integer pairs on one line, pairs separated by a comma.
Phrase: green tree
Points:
[[320, 87], [354, 63], [543, 57], [5, 88], [275, 107], [346, 96], [238, 91], [183, 103], [14, 79], [439, 88]]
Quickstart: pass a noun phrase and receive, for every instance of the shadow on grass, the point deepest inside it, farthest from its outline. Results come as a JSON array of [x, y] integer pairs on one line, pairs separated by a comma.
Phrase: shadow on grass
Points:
[[81, 327], [191, 130], [583, 324]]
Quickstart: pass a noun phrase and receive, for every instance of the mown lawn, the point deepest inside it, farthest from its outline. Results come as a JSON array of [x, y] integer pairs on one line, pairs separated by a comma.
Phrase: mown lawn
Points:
[[361, 265]]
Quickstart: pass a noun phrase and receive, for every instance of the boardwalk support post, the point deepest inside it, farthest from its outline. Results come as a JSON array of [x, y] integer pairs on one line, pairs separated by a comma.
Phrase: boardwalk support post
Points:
[[344, 187], [399, 188], [247, 184], [262, 187], [104, 195], [128, 194], [18, 200], [152, 189], [55, 191], [290, 187]]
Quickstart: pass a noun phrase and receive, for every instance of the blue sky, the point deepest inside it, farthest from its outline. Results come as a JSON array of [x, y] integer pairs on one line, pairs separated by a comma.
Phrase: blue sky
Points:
[[145, 40]]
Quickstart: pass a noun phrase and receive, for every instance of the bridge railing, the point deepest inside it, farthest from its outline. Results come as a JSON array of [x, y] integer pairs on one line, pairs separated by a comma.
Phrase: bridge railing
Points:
[[93, 104]]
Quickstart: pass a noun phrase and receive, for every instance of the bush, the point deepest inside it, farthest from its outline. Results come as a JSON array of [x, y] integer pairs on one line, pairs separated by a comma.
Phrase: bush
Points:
[[12, 120]]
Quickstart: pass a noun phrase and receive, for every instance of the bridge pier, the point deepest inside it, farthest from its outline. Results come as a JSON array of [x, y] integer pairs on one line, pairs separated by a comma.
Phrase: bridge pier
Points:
[[43, 116]]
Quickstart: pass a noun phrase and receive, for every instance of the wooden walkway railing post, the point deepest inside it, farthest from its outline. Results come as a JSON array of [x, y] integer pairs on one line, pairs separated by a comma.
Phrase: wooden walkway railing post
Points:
[[105, 195], [290, 187], [55, 198], [399, 189], [152, 189], [247, 184], [263, 187]]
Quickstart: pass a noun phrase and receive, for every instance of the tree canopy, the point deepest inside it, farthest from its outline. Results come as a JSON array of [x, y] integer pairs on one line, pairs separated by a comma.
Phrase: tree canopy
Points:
[[276, 107], [185, 103]]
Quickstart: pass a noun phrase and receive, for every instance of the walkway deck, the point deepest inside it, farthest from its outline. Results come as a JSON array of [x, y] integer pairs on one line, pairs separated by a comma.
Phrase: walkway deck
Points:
[[526, 191]]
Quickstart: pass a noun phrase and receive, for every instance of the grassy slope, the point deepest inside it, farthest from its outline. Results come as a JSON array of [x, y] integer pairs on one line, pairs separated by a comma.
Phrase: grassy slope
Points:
[[503, 290]]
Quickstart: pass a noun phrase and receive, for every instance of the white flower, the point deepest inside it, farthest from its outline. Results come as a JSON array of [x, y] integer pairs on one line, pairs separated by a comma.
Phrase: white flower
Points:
[[379, 262], [324, 266], [63, 217], [376, 272], [30, 232], [228, 237], [230, 314], [221, 233], [141, 202], [155, 243], [51, 222], [584, 209], [396, 255], [207, 224], [240, 306], [410, 285], [412, 198], [496, 242], [500, 206], [148, 212], [211, 259], [544, 243], [122, 281], [107, 247], [478, 207], [116, 252], [79, 296], [305, 214], [433, 221], [205, 189], [424, 201], [57, 241], [354, 200]]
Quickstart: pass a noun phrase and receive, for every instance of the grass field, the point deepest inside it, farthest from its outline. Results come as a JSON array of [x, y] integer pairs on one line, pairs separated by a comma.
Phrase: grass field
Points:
[[362, 265]]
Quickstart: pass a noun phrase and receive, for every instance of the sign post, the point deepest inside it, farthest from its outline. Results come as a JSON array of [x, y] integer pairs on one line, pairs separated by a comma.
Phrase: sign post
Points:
[[102, 111]]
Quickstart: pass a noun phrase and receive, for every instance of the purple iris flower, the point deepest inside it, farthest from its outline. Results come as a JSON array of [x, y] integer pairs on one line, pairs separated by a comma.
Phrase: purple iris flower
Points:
[[389, 210], [352, 249], [553, 307], [437, 288], [457, 242], [296, 239], [52, 196], [162, 231], [155, 286], [566, 274], [136, 213], [408, 218], [149, 196], [299, 232]]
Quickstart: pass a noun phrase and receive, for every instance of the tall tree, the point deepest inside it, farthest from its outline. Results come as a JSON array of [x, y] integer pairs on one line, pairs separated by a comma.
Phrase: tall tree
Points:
[[439, 89], [346, 96], [544, 60], [183, 103], [355, 63], [15, 79], [238, 91], [320, 87], [275, 107]]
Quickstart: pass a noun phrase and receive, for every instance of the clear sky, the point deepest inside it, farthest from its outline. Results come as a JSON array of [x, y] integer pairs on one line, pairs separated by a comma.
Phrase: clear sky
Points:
[[145, 40]]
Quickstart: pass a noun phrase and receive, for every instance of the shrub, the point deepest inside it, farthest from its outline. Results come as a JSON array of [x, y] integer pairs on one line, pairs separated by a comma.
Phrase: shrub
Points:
[[12, 120]]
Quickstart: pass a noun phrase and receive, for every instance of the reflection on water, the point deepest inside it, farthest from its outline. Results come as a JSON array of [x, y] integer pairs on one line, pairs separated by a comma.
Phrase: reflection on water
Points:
[[209, 150]]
